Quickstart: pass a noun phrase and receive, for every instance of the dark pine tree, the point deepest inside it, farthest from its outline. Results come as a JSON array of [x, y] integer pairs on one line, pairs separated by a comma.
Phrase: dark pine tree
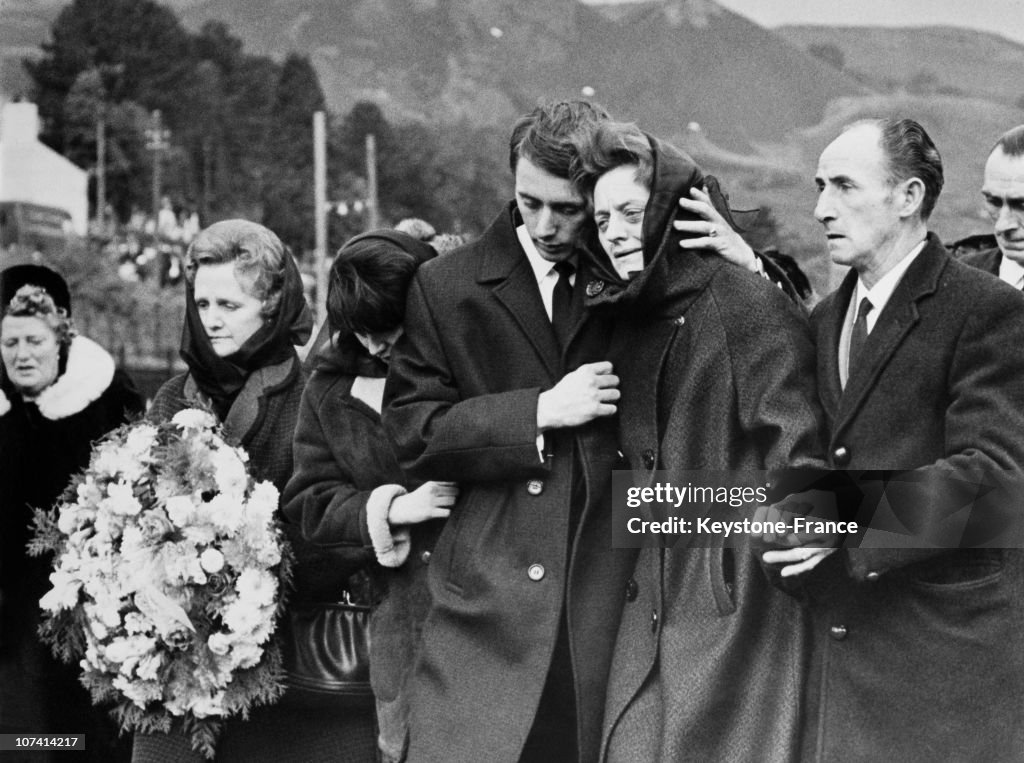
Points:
[[288, 182]]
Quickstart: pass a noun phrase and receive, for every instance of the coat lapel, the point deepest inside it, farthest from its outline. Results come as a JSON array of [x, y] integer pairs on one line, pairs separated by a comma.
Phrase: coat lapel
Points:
[[244, 414], [579, 311], [505, 265], [829, 328], [897, 319]]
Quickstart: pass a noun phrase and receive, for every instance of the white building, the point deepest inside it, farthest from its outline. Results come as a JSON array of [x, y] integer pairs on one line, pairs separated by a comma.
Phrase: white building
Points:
[[32, 173]]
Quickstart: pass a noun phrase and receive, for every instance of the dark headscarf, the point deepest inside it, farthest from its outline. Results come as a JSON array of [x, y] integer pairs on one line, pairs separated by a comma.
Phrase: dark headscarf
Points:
[[347, 353], [222, 378], [663, 280]]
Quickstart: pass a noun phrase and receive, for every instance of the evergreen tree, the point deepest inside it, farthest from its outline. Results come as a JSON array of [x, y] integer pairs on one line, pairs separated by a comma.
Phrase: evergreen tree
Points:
[[288, 183]]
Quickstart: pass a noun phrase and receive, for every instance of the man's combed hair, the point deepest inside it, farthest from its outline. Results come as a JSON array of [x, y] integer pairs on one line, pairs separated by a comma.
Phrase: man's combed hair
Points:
[[603, 146], [910, 153], [545, 135], [368, 284], [1011, 142]]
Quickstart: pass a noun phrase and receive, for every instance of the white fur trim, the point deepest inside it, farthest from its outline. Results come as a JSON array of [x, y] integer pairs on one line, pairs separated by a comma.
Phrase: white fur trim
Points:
[[89, 371], [5, 404], [392, 548]]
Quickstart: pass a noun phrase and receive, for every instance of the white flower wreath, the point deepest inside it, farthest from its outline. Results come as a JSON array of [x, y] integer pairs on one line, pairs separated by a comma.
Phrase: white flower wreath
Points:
[[168, 578]]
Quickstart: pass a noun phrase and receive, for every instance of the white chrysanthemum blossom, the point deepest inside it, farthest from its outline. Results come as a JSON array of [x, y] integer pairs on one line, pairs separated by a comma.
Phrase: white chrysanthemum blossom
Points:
[[193, 418], [229, 472], [225, 511], [212, 560], [64, 594]]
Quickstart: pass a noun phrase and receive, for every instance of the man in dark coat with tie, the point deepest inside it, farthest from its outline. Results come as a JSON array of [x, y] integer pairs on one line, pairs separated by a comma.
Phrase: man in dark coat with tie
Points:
[[918, 652], [1003, 191], [501, 384]]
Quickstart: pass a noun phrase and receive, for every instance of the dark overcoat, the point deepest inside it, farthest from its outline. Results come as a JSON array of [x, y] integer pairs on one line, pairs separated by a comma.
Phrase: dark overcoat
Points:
[[919, 653], [42, 445], [716, 367], [345, 471], [985, 259], [461, 404]]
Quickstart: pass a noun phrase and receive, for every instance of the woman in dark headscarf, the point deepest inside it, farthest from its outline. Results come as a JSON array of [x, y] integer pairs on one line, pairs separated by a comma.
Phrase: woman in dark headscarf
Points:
[[58, 392], [348, 488], [245, 313], [717, 374]]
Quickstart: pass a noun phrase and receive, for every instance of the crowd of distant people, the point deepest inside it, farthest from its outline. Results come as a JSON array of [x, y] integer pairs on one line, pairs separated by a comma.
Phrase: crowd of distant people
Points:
[[454, 430]]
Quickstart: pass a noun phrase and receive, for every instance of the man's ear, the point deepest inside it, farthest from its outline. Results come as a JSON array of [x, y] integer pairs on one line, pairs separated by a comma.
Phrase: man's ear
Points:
[[910, 197]]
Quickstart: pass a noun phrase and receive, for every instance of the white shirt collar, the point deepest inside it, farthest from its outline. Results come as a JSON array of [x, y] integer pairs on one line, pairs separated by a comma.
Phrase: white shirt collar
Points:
[[882, 291], [541, 268], [1011, 271]]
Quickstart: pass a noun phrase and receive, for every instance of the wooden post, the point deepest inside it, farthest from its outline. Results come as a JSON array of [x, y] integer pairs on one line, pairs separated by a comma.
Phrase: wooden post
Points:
[[372, 208], [320, 216], [101, 172]]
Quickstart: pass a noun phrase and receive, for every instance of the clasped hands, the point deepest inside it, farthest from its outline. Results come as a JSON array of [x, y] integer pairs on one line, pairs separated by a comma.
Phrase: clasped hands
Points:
[[797, 552]]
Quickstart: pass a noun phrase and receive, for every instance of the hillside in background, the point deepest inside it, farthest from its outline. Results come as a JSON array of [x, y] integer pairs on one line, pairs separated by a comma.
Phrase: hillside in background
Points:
[[928, 58], [753, 105], [666, 64]]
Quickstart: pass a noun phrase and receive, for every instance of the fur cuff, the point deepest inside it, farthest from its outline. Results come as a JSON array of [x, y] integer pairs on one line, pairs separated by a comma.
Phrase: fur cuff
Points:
[[89, 372], [391, 547]]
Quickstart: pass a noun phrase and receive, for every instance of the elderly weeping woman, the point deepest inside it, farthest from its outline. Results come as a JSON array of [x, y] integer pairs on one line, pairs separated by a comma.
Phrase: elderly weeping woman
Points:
[[58, 392], [245, 313], [717, 373]]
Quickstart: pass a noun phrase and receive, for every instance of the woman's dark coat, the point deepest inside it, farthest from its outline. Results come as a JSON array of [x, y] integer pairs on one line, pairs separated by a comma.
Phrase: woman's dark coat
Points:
[[717, 373], [345, 466], [42, 445]]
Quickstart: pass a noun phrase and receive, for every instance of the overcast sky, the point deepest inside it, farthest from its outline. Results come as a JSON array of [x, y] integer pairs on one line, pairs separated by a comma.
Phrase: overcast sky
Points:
[[1005, 17]]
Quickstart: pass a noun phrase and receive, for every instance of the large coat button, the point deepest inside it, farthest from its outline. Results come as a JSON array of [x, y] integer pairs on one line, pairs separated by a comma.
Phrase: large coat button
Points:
[[648, 457], [838, 632], [632, 589], [841, 455], [425, 557], [536, 572], [872, 577], [535, 487]]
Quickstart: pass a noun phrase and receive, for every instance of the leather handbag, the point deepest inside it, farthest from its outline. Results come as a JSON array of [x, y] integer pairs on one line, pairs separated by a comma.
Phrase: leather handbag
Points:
[[326, 654]]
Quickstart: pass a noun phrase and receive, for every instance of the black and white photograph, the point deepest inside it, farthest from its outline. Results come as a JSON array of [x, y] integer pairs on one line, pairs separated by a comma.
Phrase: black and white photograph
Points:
[[519, 381]]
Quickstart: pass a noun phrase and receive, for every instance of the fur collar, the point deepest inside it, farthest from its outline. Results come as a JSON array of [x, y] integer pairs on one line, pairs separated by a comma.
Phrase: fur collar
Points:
[[90, 369]]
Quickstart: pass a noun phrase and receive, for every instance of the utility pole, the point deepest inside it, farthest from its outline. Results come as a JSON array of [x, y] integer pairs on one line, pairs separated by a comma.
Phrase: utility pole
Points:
[[320, 213], [372, 208], [101, 169], [157, 141]]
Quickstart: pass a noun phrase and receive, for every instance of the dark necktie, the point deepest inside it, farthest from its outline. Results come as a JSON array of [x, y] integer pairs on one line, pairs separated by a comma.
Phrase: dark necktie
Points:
[[561, 302], [859, 336]]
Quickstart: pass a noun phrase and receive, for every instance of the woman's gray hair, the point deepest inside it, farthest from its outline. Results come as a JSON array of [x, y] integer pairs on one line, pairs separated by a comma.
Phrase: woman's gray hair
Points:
[[35, 302], [257, 253]]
